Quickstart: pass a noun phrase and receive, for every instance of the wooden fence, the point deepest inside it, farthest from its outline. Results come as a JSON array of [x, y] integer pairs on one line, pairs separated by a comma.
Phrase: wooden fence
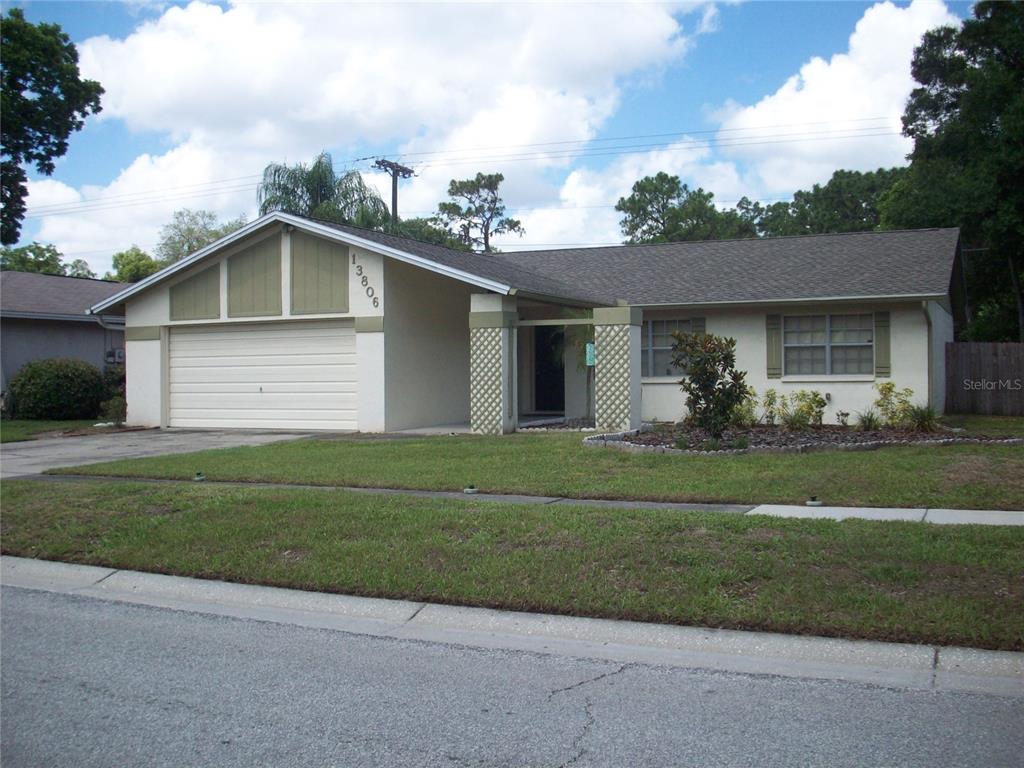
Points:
[[984, 377]]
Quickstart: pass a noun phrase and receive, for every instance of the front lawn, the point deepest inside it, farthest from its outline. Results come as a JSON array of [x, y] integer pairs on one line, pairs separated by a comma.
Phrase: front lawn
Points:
[[911, 582], [19, 430], [557, 464]]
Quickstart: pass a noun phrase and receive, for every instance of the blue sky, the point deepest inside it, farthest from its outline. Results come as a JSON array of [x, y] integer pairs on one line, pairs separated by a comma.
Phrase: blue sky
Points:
[[756, 99]]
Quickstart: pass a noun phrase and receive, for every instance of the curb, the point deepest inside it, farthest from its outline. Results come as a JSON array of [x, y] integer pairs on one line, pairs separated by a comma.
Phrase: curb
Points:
[[890, 665]]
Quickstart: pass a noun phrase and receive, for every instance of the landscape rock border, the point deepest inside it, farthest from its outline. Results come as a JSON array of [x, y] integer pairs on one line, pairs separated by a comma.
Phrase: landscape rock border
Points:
[[618, 440]]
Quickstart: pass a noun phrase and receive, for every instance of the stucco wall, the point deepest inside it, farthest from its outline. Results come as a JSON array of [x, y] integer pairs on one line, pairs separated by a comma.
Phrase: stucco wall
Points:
[[664, 401], [426, 343], [143, 385], [24, 340]]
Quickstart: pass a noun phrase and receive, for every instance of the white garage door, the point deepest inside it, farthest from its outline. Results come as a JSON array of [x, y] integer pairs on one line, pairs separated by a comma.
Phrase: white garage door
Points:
[[293, 375]]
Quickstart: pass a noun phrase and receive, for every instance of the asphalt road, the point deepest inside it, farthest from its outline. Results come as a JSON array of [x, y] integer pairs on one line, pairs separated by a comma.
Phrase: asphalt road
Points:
[[89, 682]]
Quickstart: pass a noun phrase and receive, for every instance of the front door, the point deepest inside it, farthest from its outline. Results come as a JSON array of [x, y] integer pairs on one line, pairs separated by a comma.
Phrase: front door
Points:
[[549, 367]]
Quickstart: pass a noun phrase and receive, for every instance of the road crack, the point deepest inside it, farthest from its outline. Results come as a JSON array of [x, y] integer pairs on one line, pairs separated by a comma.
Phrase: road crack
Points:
[[577, 744], [588, 681]]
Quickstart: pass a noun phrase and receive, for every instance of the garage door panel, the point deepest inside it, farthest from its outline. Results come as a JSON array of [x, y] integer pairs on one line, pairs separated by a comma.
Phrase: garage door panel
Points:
[[297, 375]]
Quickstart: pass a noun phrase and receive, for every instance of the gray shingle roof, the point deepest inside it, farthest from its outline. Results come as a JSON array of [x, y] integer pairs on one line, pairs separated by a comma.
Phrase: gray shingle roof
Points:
[[505, 271], [33, 293], [863, 264]]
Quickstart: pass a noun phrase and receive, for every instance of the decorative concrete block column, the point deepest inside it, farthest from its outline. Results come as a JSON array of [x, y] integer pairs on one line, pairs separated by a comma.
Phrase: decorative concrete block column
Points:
[[492, 365], [617, 368]]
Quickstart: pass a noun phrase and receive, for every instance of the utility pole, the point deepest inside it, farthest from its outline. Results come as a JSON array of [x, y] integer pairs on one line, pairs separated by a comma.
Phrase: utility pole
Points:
[[395, 171]]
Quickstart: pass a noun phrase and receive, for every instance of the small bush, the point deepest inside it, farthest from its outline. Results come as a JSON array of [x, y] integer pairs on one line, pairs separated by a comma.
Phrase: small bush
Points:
[[843, 417], [770, 406], [893, 405], [745, 414], [711, 444], [922, 418], [713, 386], [801, 409], [114, 380], [869, 420], [740, 443], [683, 443], [57, 389], [115, 409]]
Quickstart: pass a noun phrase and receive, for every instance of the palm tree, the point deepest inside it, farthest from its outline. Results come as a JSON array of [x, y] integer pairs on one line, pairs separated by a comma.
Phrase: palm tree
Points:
[[318, 192]]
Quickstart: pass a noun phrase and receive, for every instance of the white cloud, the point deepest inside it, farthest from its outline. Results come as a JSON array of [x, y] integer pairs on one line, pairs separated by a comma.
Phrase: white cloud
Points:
[[235, 88], [838, 97]]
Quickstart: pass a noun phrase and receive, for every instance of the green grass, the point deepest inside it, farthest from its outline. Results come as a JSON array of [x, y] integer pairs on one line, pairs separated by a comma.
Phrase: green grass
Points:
[[991, 426], [892, 581], [19, 430], [967, 477]]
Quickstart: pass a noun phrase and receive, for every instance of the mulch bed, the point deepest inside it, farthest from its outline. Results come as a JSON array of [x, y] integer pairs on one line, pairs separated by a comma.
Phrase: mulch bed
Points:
[[679, 438]]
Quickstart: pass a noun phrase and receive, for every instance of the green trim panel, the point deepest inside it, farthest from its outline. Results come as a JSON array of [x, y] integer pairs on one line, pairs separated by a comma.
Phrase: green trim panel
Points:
[[698, 325], [773, 344], [883, 345], [254, 280], [370, 324], [617, 316], [319, 275], [492, 319], [197, 298], [142, 333]]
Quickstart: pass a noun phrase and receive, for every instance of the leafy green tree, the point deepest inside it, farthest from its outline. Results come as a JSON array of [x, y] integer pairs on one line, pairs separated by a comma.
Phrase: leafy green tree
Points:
[[132, 265], [848, 202], [427, 230], [79, 268], [714, 387], [45, 259], [318, 192], [188, 231], [476, 213], [661, 209], [967, 122], [43, 100]]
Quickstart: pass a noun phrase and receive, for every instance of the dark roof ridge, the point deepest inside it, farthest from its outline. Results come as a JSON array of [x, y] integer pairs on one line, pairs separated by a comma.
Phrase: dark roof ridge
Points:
[[69, 277]]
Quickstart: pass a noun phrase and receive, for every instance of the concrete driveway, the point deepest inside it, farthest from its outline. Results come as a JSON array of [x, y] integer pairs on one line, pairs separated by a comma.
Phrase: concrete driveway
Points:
[[35, 456]]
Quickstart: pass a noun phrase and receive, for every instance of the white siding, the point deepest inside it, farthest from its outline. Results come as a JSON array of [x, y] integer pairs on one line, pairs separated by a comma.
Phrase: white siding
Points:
[[284, 375]]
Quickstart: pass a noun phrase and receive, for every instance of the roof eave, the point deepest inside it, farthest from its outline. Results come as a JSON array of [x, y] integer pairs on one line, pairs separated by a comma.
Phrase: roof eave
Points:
[[309, 226], [901, 297]]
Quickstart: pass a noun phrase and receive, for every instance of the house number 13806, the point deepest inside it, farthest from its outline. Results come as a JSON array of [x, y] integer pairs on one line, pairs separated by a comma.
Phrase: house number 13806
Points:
[[364, 281]]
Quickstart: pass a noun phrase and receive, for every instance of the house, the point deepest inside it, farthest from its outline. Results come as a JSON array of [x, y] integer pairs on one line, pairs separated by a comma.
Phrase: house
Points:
[[291, 323], [45, 316]]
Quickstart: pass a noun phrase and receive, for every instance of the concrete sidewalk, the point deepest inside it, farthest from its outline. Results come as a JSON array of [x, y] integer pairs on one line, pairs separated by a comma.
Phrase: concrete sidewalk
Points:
[[936, 516], [892, 665]]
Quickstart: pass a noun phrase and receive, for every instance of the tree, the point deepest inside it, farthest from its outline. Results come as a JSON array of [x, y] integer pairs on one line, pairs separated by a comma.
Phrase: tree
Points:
[[79, 268], [44, 259], [428, 230], [481, 214], [848, 202], [318, 192], [132, 265], [661, 209], [967, 122], [188, 231], [714, 388], [43, 101]]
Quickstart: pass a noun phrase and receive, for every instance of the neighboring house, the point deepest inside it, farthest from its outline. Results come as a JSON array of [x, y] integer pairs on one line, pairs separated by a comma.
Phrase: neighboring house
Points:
[[45, 316], [295, 323]]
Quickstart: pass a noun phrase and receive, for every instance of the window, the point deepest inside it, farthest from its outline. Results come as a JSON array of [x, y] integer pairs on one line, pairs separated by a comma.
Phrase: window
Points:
[[828, 344], [656, 346]]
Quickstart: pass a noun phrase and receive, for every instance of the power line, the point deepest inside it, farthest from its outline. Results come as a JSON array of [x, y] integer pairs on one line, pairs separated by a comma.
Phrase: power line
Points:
[[127, 200]]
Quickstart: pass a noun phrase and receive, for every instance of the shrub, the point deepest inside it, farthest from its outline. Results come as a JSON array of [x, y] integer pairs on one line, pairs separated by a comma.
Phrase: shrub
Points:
[[745, 414], [922, 418], [801, 409], [115, 409], [57, 388], [713, 386], [893, 405], [843, 417], [113, 380], [741, 442], [868, 421], [711, 444], [771, 408]]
